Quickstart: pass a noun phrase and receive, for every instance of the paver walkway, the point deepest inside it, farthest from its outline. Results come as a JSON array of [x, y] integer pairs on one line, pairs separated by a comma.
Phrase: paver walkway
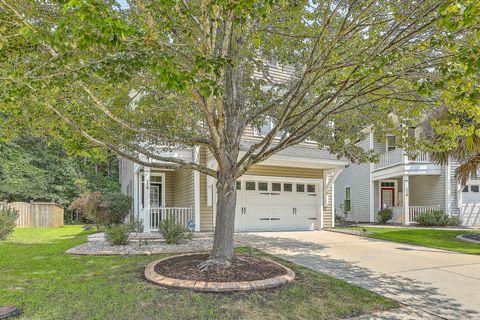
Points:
[[430, 283]]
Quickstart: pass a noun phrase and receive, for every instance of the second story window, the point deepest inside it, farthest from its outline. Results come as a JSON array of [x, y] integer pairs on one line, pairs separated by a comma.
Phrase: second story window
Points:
[[267, 126], [391, 143]]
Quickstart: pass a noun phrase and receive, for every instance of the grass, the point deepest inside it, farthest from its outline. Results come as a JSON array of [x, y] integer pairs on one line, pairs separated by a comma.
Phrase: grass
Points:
[[432, 238], [46, 283]]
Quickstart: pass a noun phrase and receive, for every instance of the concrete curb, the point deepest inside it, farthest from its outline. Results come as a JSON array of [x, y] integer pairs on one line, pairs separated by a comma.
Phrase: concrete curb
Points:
[[204, 286]]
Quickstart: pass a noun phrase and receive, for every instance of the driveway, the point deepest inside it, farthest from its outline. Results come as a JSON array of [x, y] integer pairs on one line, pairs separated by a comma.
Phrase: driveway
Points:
[[430, 283]]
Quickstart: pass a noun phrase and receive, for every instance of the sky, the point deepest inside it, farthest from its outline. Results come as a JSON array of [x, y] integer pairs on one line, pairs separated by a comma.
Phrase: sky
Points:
[[123, 3]]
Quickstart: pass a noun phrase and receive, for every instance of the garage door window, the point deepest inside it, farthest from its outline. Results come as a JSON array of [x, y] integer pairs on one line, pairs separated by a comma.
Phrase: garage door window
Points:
[[262, 186], [287, 187], [465, 189], [474, 188], [276, 186], [239, 185], [300, 188], [250, 185], [310, 188]]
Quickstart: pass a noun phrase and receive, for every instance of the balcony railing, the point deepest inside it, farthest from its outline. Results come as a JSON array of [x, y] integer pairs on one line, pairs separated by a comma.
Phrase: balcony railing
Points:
[[398, 156], [182, 216]]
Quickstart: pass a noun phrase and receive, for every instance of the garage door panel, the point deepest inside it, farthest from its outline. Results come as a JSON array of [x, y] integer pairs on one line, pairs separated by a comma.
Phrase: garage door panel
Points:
[[267, 210]]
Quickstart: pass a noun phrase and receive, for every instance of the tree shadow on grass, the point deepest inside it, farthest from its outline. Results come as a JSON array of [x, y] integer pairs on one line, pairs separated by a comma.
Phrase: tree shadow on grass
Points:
[[420, 295]]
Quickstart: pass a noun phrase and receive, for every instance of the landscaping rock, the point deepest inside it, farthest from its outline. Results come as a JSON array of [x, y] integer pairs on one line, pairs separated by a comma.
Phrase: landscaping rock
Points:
[[9, 312], [102, 247]]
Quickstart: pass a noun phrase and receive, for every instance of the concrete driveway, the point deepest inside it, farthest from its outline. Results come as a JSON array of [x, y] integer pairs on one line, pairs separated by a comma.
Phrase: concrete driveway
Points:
[[430, 283]]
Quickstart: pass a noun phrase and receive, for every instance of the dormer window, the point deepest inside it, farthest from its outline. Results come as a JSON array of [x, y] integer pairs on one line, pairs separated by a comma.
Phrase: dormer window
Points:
[[391, 143]]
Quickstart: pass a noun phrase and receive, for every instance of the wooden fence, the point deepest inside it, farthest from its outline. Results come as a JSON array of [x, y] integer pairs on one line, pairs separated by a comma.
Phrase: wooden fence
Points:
[[37, 214]]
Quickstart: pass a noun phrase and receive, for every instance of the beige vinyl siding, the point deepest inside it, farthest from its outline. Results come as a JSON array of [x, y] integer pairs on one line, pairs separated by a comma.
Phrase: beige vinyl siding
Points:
[[206, 212], [278, 171], [327, 209], [183, 189], [276, 73]]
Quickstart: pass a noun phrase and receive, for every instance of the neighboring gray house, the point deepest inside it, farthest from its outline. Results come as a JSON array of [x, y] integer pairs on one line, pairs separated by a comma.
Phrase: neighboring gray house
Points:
[[409, 186]]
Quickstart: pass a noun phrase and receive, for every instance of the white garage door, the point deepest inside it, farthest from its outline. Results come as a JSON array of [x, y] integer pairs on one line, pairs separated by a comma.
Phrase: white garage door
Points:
[[275, 206], [470, 208]]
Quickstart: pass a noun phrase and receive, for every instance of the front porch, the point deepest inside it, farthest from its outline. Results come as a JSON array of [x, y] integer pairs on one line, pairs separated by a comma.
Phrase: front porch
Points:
[[171, 194], [410, 195]]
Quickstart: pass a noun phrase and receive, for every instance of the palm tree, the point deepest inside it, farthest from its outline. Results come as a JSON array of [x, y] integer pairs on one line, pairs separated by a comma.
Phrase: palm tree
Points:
[[465, 148]]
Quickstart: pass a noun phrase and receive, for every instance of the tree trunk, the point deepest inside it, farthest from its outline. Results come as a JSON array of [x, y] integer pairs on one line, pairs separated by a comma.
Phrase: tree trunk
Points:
[[225, 219], [222, 252]]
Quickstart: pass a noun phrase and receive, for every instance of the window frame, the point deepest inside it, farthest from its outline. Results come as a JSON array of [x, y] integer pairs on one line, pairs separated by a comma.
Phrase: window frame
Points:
[[387, 143]]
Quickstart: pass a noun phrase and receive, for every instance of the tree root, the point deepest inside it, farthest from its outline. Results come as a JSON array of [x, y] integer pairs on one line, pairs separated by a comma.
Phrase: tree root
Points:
[[214, 263]]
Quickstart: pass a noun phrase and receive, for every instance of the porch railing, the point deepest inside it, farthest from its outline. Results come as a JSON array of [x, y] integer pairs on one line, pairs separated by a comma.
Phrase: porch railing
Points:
[[398, 156], [181, 216], [415, 211]]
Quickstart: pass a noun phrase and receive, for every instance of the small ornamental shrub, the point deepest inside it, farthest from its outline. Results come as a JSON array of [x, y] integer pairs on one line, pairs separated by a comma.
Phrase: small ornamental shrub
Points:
[[8, 216], [104, 210], [385, 215], [437, 218], [173, 232], [117, 234], [114, 208]]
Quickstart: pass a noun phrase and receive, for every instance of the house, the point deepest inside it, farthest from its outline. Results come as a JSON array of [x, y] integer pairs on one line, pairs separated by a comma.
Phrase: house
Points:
[[292, 190], [409, 185]]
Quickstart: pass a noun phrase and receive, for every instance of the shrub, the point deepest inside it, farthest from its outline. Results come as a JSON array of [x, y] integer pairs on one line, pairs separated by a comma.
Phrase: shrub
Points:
[[437, 218], [117, 234], [87, 206], [174, 233], [115, 207], [105, 210], [385, 215], [8, 216], [339, 219]]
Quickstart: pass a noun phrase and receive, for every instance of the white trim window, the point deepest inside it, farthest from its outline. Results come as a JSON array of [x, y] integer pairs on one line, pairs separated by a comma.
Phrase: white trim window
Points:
[[267, 126], [348, 199], [391, 142]]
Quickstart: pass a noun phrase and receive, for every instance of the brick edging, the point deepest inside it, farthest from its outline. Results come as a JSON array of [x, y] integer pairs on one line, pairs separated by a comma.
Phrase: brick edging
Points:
[[210, 286]]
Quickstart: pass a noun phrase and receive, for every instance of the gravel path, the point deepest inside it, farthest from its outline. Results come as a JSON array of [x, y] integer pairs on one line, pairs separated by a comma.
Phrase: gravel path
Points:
[[97, 245]]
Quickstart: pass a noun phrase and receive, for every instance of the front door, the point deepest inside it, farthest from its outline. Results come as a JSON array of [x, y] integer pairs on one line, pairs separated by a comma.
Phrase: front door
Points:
[[388, 197], [155, 195]]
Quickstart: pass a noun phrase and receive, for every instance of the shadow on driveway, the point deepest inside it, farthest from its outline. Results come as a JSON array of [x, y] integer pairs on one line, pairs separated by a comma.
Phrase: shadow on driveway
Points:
[[418, 296]]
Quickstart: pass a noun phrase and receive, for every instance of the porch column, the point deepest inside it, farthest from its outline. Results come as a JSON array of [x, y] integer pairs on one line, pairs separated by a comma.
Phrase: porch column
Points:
[[196, 189], [406, 205], [146, 200], [136, 197]]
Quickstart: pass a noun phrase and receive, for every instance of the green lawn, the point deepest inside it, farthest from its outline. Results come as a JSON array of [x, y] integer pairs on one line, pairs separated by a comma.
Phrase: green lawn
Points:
[[433, 238], [37, 276]]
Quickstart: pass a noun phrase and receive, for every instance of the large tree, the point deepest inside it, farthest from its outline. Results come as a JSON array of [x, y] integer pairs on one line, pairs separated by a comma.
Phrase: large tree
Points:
[[455, 123], [183, 73]]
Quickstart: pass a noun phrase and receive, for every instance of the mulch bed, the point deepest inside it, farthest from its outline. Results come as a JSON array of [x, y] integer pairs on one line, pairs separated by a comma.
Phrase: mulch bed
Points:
[[243, 268]]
